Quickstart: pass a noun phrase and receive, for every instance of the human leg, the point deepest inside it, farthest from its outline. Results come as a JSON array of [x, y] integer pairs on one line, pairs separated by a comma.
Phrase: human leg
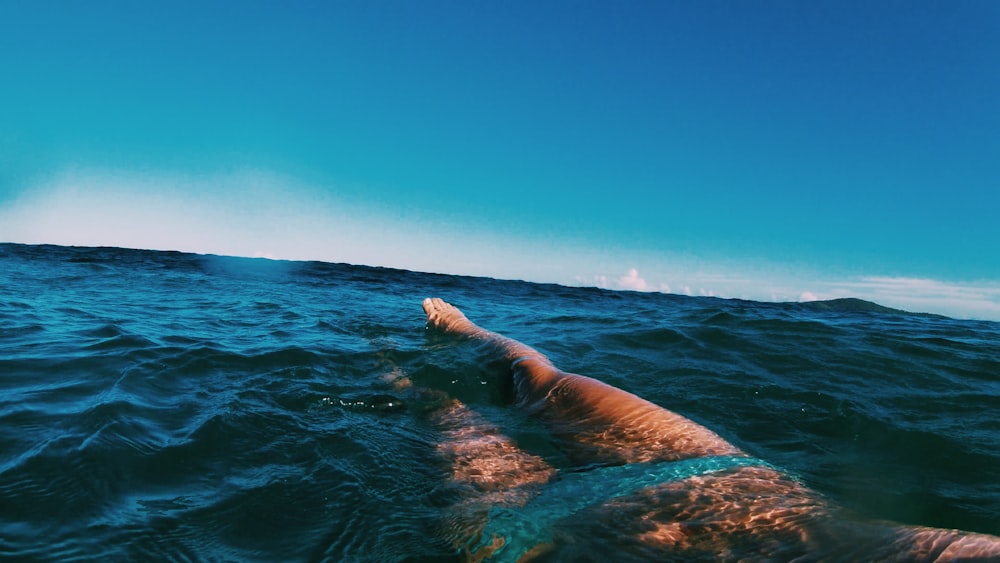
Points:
[[747, 510], [609, 423]]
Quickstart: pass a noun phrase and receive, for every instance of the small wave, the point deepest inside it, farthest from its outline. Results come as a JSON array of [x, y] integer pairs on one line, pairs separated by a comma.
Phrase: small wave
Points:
[[653, 338], [13, 334], [121, 344], [170, 406]]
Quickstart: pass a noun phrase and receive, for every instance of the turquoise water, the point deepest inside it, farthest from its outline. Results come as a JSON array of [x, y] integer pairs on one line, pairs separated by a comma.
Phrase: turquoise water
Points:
[[176, 406]]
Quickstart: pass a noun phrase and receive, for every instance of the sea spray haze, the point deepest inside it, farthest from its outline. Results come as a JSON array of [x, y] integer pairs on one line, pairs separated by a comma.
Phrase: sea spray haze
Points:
[[166, 405]]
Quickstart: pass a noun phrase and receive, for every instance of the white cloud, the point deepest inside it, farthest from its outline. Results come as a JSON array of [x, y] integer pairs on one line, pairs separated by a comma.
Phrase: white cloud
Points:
[[977, 300], [632, 281]]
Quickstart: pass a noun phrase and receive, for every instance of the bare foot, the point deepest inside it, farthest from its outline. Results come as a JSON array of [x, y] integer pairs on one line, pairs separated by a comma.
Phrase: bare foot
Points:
[[445, 316]]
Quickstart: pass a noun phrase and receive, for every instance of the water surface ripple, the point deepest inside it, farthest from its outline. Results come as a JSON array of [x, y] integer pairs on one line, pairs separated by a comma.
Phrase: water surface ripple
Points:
[[158, 405]]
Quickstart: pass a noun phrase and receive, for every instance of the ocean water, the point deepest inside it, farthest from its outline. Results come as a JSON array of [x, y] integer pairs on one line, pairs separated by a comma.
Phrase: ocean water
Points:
[[159, 405]]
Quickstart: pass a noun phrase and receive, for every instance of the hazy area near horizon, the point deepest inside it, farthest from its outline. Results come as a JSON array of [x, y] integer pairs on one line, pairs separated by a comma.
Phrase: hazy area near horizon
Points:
[[785, 152]]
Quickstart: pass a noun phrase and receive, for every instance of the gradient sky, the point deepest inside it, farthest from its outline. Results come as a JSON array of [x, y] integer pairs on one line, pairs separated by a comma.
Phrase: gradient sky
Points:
[[767, 150]]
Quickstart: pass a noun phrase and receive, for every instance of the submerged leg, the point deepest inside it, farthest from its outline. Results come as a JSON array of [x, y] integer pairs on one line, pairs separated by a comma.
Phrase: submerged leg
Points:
[[484, 459], [741, 512], [604, 421], [490, 471]]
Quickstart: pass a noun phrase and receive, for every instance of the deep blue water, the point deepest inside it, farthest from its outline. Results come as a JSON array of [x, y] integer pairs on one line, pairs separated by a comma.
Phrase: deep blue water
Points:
[[175, 406]]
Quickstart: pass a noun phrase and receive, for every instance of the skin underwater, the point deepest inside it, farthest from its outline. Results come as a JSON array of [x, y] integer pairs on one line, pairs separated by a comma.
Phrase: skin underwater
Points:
[[671, 488]]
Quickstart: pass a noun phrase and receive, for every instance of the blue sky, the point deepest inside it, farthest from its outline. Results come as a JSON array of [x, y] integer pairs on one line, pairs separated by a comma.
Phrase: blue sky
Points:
[[766, 150]]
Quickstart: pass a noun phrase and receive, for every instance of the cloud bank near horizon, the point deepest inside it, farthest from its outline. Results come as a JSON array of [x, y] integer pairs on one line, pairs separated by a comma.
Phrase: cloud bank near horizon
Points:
[[261, 214], [258, 214], [921, 295]]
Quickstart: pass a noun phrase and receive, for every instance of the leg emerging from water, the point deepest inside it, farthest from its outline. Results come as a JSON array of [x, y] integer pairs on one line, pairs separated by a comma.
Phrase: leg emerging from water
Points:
[[746, 511], [605, 421], [488, 471]]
